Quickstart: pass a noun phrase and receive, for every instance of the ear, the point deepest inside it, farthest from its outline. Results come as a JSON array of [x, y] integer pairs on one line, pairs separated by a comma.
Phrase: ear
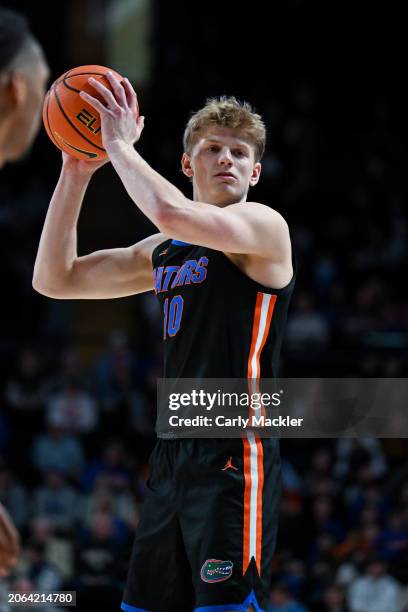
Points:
[[17, 88], [186, 165], [256, 173]]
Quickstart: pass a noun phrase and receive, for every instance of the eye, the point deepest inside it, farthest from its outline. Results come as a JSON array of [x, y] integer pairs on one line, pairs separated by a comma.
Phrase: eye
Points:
[[213, 148], [239, 153]]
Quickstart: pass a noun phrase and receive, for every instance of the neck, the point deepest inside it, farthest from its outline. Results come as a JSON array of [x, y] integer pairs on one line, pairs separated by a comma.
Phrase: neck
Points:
[[220, 202]]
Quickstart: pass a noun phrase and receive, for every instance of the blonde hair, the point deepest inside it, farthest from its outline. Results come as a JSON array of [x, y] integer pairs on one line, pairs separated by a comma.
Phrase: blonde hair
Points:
[[227, 111]]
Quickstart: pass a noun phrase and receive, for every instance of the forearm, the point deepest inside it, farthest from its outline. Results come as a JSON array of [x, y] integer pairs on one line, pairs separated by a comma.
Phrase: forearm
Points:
[[58, 244], [156, 197]]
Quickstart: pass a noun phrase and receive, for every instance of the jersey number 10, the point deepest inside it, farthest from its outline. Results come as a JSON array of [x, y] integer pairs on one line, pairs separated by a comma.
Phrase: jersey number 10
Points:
[[172, 316]]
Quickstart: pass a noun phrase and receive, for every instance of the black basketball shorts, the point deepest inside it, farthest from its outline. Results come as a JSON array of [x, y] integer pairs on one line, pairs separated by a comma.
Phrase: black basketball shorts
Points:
[[208, 527]]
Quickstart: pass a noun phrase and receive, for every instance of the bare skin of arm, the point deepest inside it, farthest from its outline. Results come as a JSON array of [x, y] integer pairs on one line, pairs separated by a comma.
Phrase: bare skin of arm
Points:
[[111, 273]]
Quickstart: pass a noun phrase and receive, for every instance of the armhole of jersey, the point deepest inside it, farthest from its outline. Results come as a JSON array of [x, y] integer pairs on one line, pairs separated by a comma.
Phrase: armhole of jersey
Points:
[[286, 289], [163, 245]]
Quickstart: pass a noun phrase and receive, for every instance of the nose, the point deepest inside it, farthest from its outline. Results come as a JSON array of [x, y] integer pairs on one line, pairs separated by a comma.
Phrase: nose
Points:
[[225, 157]]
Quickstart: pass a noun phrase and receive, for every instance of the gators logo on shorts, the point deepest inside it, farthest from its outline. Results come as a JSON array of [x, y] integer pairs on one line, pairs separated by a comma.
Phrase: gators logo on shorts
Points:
[[215, 570]]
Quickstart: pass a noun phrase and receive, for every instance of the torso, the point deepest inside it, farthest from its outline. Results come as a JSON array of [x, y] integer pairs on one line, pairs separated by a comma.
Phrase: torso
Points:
[[213, 305]]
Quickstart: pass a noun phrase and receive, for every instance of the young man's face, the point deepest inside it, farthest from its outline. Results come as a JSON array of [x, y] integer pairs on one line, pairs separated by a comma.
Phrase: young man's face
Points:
[[222, 166], [28, 115], [22, 97]]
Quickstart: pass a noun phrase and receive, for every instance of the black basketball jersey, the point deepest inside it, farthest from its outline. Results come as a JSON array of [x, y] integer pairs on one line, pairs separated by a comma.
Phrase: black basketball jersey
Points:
[[217, 322]]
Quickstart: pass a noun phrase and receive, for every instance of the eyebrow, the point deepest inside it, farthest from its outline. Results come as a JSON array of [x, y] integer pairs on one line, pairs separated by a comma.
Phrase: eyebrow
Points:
[[218, 141]]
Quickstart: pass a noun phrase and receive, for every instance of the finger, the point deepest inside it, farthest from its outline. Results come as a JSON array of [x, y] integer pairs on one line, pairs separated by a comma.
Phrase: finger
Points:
[[95, 103], [117, 89], [106, 93], [130, 95]]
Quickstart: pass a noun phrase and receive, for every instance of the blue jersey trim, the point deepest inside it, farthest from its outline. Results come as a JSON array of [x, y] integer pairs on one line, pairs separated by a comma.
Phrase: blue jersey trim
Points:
[[128, 608], [179, 243], [251, 599]]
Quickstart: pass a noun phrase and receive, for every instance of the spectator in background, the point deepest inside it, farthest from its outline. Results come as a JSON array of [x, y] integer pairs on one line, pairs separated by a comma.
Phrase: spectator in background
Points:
[[59, 450], [319, 480], [353, 453], [307, 327], [376, 591], [111, 468], [13, 496], [115, 373], [24, 394], [43, 574], [293, 575], [333, 600], [281, 600], [100, 563], [57, 501], [58, 550], [69, 367], [393, 540], [72, 409], [324, 519], [117, 500]]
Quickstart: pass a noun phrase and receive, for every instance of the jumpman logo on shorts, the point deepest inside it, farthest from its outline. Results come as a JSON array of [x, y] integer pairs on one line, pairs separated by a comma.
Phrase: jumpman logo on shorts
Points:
[[229, 465]]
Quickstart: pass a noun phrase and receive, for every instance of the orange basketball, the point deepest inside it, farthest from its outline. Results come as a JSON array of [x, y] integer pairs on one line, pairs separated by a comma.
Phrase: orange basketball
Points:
[[72, 124]]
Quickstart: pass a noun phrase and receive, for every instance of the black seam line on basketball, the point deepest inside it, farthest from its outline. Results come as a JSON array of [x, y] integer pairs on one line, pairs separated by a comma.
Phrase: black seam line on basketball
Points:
[[48, 121], [68, 75], [89, 153], [61, 79], [72, 125], [71, 76]]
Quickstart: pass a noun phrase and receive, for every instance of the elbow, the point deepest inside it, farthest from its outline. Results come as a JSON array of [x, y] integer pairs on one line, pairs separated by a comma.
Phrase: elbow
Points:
[[46, 288], [41, 288]]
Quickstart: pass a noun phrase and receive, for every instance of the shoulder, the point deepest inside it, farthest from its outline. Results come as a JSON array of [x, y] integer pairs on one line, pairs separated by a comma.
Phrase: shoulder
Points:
[[145, 247]]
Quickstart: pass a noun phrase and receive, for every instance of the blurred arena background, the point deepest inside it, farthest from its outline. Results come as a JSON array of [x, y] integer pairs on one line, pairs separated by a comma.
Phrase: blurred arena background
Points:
[[78, 378]]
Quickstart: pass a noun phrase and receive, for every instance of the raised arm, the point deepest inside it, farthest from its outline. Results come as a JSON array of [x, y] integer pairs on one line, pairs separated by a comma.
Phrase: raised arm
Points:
[[111, 273], [247, 228]]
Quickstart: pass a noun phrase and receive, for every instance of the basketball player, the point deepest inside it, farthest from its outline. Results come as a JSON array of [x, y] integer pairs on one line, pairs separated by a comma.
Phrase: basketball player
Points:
[[222, 271], [23, 77]]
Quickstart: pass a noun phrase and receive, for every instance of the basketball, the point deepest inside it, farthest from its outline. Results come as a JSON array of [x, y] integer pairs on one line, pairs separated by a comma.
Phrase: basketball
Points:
[[72, 124]]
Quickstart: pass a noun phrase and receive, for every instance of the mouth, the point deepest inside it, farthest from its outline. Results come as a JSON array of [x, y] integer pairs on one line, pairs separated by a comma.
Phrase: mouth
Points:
[[226, 175]]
